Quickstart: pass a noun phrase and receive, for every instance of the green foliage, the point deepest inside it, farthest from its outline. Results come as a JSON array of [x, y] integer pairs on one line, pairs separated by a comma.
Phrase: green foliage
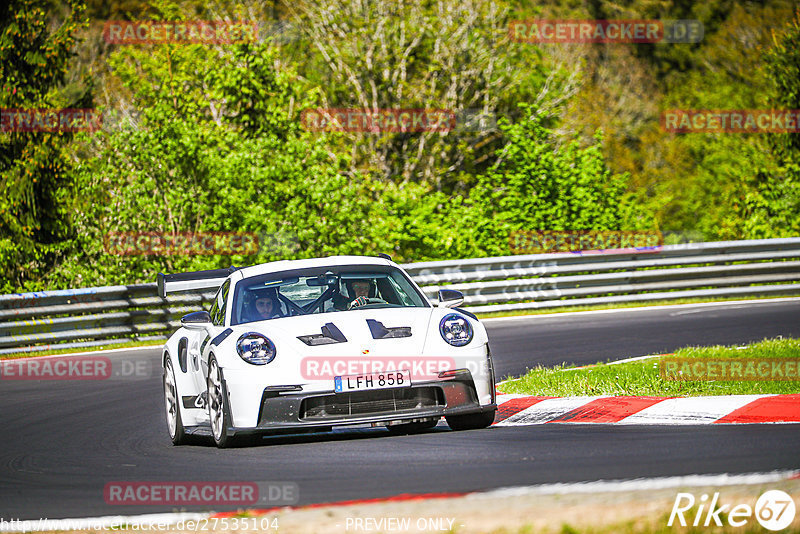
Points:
[[771, 207], [539, 185], [34, 166], [783, 66], [721, 184], [217, 148], [208, 137], [451, 54]]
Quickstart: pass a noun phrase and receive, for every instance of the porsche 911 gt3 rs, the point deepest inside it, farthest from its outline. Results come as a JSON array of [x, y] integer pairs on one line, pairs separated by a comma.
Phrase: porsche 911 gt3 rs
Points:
[[308, 345]]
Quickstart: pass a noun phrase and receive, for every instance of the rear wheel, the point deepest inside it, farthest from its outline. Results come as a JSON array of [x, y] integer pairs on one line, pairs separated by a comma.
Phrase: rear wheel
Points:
[[470, 421], [171, 399], [218, 407]]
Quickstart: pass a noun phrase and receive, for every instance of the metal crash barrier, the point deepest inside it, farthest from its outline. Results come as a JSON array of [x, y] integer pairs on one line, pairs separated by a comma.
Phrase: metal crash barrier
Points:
[[87, 317]]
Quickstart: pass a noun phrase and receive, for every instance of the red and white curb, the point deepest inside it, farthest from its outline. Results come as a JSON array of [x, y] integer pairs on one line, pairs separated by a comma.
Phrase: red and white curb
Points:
[[521, 410]]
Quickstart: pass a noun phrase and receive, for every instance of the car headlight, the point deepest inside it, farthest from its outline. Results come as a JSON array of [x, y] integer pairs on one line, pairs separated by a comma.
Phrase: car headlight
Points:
[[255, 348], [455, 329]]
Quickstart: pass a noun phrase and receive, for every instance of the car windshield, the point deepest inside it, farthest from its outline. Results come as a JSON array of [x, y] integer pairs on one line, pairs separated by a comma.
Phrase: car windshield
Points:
[[323, 290]]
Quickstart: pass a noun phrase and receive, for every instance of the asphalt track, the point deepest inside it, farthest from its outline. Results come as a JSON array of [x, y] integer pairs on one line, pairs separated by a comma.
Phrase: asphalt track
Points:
[[64, 441]]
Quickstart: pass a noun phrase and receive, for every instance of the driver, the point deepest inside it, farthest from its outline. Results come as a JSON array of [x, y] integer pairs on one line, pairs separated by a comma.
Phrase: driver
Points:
[[359, 291]]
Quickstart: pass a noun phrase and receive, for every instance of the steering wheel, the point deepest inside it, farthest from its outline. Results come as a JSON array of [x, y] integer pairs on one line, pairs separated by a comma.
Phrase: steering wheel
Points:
[[370, 300]]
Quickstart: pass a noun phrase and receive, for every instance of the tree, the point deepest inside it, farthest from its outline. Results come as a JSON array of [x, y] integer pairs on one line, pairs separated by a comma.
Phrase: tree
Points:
[[34, 165], [216, 146], [451, 54], [538, 184], [771, 207]]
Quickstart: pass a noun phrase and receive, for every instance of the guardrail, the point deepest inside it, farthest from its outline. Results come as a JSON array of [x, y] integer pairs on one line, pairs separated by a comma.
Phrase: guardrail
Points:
[[91, 316], [105, 315], [716, 269]]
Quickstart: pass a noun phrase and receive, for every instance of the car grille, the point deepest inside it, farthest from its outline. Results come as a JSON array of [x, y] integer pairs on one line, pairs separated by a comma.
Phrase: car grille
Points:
[[375, 402]]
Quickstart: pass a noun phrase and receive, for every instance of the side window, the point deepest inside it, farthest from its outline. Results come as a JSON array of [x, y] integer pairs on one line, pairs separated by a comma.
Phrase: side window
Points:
[[224, 306], [214, 311], [217, 312]]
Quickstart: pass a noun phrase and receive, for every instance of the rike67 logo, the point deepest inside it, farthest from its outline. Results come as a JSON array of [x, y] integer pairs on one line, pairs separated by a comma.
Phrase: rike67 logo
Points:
[[774, 510]]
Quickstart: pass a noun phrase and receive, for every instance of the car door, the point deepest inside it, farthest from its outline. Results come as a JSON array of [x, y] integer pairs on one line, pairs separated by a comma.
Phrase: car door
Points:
[[202, 347]]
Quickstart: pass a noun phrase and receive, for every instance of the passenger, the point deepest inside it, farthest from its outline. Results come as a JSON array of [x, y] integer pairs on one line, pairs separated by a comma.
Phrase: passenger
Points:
[[264, 304]]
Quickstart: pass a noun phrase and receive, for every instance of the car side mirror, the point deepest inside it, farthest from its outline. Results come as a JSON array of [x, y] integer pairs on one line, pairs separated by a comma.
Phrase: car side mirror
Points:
[[450, 298], [196, 320]]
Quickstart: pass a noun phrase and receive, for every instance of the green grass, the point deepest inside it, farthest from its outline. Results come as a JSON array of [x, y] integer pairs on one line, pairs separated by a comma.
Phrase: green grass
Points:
[[644, 377], [127, 345], [620, 305]]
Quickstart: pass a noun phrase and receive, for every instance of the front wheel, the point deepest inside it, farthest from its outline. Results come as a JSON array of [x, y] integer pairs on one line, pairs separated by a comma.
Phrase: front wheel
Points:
[[217, 407], [470, 421], [177, 432]]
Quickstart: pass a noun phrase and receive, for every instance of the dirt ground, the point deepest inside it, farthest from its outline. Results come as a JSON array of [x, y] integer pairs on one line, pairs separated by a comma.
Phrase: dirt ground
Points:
[[527, 510]]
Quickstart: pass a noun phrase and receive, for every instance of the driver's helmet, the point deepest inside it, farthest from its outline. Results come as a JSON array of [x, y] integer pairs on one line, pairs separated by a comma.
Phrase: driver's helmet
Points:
[[373, 288], [252, 313]]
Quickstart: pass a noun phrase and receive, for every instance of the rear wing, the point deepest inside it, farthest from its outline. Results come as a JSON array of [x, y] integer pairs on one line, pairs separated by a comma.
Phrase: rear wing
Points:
[[193, 281]]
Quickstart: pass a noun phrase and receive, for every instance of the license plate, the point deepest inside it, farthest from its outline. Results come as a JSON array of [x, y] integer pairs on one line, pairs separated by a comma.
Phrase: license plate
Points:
[[386, 379]]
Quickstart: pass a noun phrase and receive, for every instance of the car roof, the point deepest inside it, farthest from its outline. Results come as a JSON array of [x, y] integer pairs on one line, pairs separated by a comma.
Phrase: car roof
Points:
[[330, 261]]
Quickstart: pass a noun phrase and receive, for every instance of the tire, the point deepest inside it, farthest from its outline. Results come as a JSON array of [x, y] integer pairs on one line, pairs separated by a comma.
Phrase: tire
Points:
[[472, 421], [177, 432], [412, 428], [218, 411]]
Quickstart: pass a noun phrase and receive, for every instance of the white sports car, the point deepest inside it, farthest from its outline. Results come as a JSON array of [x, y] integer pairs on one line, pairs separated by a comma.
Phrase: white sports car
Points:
[[306, 345]]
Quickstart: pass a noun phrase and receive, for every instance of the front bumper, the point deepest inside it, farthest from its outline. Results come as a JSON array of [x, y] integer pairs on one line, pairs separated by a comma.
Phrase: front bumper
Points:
[[432, 399]]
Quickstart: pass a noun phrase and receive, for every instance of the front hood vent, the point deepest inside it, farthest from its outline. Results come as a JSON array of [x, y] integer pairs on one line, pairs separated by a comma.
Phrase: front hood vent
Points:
[[330, 334], [379, 331]]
